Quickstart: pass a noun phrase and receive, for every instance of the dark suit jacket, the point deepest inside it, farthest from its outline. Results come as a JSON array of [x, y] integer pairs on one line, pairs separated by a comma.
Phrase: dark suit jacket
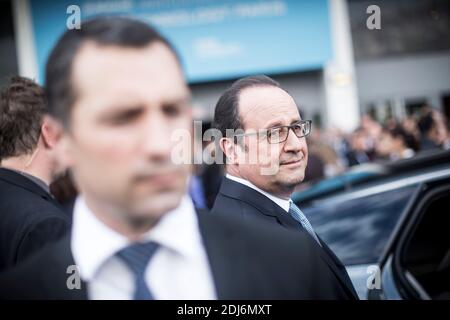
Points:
[[248, 261], [29, 218], [239, 200]]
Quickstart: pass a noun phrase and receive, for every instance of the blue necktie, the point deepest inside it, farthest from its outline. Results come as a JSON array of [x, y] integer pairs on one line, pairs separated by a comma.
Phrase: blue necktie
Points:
[[196, 192], [136, 257], [298, 215]]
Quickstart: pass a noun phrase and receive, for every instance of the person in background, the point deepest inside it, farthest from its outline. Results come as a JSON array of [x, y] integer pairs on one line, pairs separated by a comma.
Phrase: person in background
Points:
[[30, 160], [409, 124], [396, 144], [431, 137], [359, 148], [65, 191], [321, 144], [443, 136]]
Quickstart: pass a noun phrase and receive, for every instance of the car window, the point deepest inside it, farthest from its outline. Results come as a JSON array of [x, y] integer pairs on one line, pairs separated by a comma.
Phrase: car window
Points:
[[426, 254], [358, 229]]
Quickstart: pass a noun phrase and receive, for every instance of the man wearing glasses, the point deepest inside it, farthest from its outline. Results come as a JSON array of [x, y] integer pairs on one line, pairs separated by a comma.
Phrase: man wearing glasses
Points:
[[263, 141]]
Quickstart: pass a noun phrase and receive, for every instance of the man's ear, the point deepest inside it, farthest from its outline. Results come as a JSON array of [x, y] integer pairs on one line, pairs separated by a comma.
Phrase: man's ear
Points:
[[51, 132], [229, 150], [54, 137]]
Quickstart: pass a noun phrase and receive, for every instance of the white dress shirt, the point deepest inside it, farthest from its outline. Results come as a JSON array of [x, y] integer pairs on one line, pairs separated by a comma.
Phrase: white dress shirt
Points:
[[178, 270], [283, 203]]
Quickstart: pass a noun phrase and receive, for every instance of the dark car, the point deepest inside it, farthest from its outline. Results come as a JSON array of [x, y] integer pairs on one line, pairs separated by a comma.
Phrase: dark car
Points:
[[416, 262], [363, 213]]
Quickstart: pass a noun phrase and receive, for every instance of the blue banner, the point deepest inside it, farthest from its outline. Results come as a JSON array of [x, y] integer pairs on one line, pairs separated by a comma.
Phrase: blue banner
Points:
[[216, 40]]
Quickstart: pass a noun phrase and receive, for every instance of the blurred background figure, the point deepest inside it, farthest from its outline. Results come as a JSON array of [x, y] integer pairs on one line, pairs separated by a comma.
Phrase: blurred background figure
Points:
[[361, 147], [395, 143], [431, 137], [65, 191], [443, 137], [206, 177], [30, 159], [409, 124], [323, 154]]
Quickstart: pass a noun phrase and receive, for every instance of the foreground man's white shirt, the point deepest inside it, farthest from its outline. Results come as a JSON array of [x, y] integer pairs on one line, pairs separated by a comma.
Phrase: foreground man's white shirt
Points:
[[178, 270]]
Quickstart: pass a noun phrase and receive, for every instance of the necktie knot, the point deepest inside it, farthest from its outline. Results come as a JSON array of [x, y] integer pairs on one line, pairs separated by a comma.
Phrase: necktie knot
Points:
[[137, 256]]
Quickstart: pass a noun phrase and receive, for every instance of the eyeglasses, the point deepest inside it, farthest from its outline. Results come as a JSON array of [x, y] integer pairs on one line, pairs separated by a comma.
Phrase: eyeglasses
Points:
[[280, 134]]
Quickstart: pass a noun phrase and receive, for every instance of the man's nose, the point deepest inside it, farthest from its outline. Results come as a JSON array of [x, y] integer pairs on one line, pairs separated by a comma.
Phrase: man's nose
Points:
[[294, 143], [155, 139]]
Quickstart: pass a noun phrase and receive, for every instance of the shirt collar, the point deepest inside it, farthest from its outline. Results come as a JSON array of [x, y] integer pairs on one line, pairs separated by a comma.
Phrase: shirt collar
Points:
[[93, 243], [283, 203]]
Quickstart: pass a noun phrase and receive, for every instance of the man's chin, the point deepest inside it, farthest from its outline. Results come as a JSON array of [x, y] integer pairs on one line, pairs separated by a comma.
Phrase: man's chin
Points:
[[157, 206], [293, 181]]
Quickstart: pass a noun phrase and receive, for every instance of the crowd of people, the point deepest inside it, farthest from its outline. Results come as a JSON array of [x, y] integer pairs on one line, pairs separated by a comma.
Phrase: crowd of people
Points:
[[333, 151]]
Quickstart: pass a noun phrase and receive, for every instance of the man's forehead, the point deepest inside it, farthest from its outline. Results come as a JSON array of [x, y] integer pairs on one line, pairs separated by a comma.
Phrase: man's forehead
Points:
[[261, 104], [121, 68]]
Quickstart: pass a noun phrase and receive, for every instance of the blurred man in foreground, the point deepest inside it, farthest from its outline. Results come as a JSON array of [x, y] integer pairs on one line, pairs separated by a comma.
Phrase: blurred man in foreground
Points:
[[118, 88], [30, 217]]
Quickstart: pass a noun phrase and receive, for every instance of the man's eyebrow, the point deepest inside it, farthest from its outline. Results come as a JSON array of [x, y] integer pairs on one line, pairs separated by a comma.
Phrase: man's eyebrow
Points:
[[116, 109], [183, 100], [274, 123], [121, 110], [278, 123]]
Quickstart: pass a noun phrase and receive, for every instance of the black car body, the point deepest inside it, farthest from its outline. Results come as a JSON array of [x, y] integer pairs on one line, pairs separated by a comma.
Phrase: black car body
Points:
[[363, 217]]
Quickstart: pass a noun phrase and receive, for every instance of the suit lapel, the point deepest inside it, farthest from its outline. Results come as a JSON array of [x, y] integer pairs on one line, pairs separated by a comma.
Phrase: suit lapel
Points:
[[337, 268], [263, 204], [266, 206], [224, 251]]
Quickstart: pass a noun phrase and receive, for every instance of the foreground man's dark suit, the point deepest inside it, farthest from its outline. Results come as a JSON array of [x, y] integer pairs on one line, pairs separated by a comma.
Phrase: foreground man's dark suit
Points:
[[248, 261], [242, 201], [29, 218]]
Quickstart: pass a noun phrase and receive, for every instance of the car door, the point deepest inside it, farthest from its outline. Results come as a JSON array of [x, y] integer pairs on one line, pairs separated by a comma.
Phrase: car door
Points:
[[416, 264]]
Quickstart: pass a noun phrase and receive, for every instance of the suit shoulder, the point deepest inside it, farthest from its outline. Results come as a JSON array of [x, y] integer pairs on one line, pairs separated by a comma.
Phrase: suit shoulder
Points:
[[20, 202], [257, 233], [225, 205], [290, 262], [41, 275]]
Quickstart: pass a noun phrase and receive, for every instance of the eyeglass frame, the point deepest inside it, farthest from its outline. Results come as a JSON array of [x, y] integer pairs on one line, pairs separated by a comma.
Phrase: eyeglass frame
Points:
[[290, 127]]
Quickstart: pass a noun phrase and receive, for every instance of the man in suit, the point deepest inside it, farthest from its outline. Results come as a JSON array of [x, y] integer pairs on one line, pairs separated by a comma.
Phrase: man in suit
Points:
[[29, 216], [263, 140], [136, 234]]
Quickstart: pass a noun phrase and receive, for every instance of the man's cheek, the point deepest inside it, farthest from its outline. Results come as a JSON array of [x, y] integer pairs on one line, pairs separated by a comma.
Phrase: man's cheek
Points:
[[112, 151]]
